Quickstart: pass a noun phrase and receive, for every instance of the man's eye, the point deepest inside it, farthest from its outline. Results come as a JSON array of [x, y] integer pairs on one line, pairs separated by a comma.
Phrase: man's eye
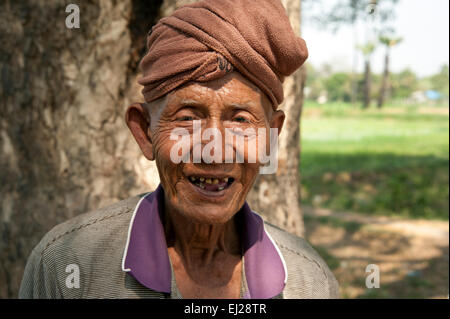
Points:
[[185, 118], [241, 119]]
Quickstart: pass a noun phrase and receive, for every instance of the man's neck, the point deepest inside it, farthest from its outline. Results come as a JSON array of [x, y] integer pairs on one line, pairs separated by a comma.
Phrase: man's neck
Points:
[[198, 244]]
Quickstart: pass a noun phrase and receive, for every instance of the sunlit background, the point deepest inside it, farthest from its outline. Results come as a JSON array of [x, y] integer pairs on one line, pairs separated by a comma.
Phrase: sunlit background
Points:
[[375, 143]]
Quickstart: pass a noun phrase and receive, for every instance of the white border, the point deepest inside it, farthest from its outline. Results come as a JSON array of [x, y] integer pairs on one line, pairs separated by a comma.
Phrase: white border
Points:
[[129, 233]]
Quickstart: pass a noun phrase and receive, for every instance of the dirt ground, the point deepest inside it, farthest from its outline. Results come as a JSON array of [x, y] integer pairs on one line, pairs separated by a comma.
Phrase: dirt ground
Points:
[[412, 255]]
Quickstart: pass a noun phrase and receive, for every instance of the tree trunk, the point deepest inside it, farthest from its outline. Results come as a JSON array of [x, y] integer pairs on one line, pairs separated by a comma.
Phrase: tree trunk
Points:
[[384, 81], [65, 148], [367, 84], [277, 197], [354, 74]]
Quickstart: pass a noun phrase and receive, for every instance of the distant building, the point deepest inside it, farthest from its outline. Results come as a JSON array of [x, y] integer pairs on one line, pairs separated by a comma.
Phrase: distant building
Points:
[[322, 99], [425, 96], [418, 97], [433, 95]]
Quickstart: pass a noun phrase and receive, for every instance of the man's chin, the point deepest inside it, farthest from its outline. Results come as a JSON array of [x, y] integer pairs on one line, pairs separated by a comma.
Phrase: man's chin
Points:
[[209, 215], [188, 192], [205, 207]]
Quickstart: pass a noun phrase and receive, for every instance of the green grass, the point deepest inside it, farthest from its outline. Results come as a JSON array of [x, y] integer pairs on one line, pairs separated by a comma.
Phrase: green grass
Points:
[[392, 161]]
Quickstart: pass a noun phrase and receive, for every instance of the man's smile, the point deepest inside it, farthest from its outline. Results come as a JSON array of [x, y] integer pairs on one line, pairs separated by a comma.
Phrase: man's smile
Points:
[[210, 185]]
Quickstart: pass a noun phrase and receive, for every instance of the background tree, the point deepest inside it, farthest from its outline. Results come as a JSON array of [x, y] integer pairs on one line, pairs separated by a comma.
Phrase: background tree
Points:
[[351, 13], [367, 51], [388, 42], [313, 84], [404, 84], [439, 81], [338, 87]]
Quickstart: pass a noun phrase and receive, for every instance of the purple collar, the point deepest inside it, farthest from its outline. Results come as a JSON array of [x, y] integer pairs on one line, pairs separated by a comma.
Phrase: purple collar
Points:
[[147, 260]]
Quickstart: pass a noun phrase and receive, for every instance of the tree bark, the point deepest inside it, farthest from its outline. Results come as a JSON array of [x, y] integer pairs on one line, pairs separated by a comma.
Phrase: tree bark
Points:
[[367, 84], [65, 148]]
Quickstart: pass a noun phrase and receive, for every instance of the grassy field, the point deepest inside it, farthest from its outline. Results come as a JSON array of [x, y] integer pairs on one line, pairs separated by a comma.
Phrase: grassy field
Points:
[[393, 161]]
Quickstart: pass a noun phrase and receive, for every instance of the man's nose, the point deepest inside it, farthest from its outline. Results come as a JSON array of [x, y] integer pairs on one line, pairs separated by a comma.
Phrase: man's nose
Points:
[[214, 122], [215, 134]]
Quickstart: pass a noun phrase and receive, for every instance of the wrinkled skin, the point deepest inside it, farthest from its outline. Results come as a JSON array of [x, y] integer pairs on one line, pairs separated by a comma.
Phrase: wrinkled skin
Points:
[[203, 241]]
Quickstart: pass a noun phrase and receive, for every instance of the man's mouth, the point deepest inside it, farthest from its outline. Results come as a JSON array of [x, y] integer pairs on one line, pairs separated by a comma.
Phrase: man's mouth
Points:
[[212, 184]]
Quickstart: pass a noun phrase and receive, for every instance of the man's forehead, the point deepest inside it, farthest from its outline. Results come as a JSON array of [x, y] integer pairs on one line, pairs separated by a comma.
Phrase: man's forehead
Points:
[[233, 89], [230, 87]]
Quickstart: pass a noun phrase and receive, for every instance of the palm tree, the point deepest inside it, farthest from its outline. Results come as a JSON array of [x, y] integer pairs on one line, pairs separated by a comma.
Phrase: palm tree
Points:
[[388, 42], [367, 51]]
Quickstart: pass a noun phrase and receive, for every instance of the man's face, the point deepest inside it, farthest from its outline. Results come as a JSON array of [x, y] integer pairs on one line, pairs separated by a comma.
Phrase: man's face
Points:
[[210, 193]]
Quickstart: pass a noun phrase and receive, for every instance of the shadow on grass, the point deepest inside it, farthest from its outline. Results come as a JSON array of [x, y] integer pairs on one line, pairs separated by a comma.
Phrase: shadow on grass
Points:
[[315, 163], [383, 184], [430, 282], [402, 275], [349, 226]]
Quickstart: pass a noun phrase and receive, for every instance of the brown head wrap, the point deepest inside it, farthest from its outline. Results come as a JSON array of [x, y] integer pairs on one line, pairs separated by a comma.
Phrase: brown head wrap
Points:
[[206, 40]]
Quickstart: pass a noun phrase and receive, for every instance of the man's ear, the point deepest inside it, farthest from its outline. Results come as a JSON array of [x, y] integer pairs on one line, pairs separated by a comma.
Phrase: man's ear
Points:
[[138, 121], [277, 120]]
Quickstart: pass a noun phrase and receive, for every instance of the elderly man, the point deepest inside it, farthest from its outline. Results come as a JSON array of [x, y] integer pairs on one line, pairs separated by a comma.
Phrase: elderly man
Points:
[[216, 65]]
